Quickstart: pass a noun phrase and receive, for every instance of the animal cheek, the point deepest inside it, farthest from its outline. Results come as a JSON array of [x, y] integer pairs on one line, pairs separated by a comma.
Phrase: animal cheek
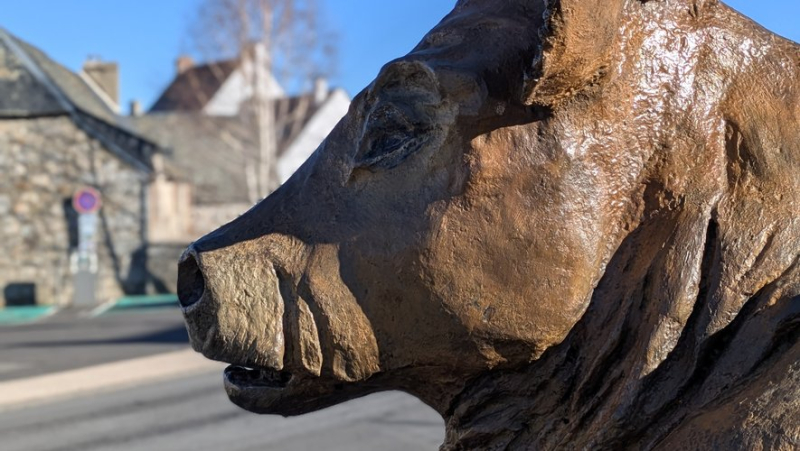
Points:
[[347, 341], [303, 337]]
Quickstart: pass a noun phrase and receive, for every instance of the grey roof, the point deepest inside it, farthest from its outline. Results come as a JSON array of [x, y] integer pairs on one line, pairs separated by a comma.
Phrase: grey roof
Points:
[[21, 94], [32, 85], [71, 85], [207, 151], [211, 151]]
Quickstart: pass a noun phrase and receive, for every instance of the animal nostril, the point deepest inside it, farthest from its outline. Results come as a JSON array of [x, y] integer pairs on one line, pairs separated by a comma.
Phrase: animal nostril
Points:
[[191, 283]]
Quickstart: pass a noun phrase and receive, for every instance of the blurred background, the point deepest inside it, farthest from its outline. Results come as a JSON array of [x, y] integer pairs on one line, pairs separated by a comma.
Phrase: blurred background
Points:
[[127, 130]]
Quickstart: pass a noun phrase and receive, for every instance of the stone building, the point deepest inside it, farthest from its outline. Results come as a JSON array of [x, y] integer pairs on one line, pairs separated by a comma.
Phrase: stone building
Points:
[[165, 178], [56, 136]]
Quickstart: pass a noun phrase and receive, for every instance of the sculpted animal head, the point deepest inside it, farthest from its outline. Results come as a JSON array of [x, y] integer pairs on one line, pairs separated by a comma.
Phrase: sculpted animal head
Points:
[[579, 217]]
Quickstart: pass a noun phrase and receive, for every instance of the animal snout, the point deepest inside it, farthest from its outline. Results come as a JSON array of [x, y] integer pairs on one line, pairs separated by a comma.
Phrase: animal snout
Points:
[[231, 300], [191, 283]]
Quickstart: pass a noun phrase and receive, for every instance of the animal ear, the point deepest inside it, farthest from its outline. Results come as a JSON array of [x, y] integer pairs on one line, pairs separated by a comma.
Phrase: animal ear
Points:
[[577, 38]]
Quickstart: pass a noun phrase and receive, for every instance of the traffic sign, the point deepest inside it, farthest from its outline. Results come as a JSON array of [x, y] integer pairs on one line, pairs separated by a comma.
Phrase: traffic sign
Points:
[[86, 200]]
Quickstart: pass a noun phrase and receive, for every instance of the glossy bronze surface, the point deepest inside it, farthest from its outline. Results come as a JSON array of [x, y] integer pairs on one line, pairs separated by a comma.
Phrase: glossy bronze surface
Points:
[[563, 224]]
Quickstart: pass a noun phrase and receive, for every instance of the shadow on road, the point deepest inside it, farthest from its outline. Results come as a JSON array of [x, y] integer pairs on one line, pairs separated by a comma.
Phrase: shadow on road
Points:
[[167, 336]]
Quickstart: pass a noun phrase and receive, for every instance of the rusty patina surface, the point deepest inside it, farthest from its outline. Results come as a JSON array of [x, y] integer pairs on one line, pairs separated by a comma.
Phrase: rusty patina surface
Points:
[[563, 224]]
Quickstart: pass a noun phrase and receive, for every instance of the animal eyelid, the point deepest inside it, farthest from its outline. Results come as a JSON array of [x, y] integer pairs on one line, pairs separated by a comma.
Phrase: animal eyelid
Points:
[[389, 154]]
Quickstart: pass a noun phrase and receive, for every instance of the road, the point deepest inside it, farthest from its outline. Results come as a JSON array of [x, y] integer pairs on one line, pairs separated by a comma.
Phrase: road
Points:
[[188, 412], [194, 414], [74, 339]]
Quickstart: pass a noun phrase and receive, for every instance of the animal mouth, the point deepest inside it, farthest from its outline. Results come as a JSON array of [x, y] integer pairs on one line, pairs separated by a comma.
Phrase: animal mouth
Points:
[[265, 378], [276, 392]]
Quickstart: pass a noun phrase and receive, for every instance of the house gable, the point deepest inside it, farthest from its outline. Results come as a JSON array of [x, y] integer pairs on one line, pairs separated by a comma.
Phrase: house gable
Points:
[[237, 89], [24, 91], [316, 129], [194, 87], [218, 88]]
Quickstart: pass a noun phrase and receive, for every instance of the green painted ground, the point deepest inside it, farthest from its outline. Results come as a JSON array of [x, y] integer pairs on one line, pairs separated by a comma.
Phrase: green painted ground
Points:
[[28, 314], [18, 315], [145, 302]]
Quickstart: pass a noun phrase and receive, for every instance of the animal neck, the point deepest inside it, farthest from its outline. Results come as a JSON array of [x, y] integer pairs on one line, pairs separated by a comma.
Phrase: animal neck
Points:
[[666, 334], [692, 335]]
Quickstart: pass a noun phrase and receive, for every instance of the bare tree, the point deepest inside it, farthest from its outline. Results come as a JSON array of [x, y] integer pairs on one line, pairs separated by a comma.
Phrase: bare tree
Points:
[[283, 40]]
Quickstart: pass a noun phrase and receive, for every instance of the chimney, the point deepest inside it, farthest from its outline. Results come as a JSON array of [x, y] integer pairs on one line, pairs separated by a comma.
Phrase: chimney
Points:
[[105, 76], [183, 63], [320, 90], [136, 108]]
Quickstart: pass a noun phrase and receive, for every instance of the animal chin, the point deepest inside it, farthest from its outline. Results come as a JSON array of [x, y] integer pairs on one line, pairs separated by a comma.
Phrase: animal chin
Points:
[[258, 390]]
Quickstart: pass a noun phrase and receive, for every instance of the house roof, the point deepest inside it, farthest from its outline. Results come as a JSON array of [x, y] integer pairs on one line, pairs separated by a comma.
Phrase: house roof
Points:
[[193, 88], [205, 150], [71, 85], [212, 151], [33, 85]]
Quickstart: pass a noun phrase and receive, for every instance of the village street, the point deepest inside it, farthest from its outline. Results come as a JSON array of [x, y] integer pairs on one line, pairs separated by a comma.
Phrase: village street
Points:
[[125, 380]]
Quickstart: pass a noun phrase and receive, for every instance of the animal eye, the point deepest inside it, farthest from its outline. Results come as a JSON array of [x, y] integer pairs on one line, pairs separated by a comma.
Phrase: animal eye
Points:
[[390, 136]]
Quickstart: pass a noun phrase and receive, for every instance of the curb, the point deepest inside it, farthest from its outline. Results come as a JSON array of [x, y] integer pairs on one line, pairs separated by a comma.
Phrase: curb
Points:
[[129, 303], [24, 315], [155, 300]]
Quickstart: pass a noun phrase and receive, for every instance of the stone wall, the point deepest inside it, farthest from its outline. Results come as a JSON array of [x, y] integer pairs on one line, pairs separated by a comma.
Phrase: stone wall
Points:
[[43, 162], [207, 218]]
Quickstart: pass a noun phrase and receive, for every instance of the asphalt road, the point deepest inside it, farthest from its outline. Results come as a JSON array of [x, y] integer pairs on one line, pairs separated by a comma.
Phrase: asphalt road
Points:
[[73, 339], [194, 414], [191, 412]]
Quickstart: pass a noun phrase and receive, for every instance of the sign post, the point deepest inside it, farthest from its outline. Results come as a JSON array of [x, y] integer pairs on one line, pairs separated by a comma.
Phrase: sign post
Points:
[[87, 203]]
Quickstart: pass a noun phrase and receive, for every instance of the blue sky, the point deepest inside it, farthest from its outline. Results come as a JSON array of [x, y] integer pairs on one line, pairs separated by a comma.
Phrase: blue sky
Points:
[[145, 36]]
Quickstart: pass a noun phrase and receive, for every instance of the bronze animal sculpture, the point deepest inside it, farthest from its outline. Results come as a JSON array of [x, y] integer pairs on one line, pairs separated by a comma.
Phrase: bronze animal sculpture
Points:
[[562, 224]]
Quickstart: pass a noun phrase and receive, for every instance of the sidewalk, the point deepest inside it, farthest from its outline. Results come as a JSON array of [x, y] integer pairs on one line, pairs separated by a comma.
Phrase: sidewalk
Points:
[[25, 392]]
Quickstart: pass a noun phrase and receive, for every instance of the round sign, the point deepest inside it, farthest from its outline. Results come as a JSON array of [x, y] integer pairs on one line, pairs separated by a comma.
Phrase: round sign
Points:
[[86, 200]]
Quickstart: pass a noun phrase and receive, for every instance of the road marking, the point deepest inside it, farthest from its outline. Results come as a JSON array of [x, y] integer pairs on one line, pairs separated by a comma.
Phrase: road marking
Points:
[[102, 308], [101, 378]]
